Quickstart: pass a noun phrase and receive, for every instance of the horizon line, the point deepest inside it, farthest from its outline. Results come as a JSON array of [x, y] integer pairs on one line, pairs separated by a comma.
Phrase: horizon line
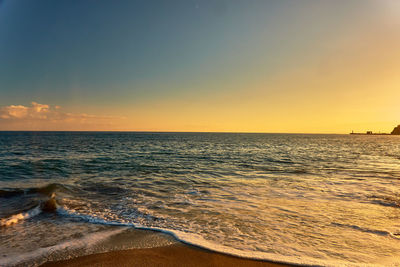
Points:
[[149, 131]]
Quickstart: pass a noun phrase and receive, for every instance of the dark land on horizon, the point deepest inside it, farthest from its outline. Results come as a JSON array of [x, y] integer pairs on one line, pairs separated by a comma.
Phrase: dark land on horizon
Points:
[[396, 131]]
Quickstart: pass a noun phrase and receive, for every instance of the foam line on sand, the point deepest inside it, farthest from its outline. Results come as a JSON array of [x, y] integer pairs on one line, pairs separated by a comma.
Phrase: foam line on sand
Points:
[[172, 255]]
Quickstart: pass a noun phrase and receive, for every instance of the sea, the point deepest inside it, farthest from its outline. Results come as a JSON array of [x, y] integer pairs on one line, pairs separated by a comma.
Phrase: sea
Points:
[[323, 200]]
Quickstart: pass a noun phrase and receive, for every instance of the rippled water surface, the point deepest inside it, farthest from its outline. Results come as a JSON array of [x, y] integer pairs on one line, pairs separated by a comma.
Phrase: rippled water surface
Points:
[[316, 199]]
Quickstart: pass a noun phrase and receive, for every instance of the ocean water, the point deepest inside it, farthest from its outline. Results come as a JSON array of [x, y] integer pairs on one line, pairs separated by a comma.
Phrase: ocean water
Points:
[[327, 200]]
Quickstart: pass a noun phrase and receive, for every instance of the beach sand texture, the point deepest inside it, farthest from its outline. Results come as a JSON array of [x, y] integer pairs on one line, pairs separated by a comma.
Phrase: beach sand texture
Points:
[[172, 255]]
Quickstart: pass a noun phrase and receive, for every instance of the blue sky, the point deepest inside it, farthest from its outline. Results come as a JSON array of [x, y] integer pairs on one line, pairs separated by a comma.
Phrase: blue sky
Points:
[[104, 57]]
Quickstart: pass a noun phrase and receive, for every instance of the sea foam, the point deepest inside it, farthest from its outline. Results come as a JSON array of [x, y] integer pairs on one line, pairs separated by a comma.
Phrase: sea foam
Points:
[[20, 216], [42, 253]]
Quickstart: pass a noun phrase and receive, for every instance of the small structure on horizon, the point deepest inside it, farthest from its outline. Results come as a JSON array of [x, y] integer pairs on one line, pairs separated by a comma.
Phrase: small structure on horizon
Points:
[[396, 131]]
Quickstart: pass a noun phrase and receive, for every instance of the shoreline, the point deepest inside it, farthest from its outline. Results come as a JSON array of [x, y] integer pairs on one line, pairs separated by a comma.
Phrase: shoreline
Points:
[[178, 254]]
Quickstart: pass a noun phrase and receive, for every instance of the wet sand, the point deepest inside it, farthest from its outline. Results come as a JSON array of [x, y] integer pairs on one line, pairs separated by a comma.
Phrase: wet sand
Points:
[[171, 255]]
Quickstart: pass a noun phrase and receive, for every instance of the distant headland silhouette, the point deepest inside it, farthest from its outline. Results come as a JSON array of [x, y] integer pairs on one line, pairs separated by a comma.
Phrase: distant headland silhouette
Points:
[[396, 131]]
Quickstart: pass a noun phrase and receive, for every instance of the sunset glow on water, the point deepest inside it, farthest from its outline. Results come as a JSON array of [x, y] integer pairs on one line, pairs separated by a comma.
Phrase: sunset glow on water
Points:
[[319, 199]]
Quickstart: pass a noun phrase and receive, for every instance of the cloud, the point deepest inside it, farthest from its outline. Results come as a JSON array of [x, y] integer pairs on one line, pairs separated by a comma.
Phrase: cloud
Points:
[[12, 111], [36, 111], [47, 117]]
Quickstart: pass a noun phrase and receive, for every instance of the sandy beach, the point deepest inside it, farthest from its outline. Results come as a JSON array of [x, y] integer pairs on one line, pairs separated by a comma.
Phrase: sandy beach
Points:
[[172, 255]]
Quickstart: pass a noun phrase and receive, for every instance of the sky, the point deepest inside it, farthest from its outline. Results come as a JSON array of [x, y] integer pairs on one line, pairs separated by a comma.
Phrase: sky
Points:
[[285, 66]]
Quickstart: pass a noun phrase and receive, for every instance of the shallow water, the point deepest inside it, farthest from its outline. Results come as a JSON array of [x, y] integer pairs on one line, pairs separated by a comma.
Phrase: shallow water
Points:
[[314, 199]]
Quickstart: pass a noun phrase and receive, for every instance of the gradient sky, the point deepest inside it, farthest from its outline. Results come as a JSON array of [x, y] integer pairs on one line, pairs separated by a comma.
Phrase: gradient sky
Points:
[[300, 66]]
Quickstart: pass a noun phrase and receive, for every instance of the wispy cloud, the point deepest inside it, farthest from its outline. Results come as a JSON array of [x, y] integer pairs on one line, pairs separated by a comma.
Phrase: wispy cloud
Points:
[[48, 117]]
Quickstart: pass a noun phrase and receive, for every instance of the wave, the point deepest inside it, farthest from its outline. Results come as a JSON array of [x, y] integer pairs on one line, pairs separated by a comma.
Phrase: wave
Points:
[[10, 193], [197, 240], [92, 219], [20, 216], [43, 253], [368, 230], [46, 253], [47, 193], [49, 189], [46, 190], [48, 205], [387, 201]]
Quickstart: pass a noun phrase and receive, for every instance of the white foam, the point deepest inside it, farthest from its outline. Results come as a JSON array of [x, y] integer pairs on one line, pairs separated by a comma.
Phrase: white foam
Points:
[[87, 241], [20, 216], [199, 241], [369, 230], [92, 219]]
